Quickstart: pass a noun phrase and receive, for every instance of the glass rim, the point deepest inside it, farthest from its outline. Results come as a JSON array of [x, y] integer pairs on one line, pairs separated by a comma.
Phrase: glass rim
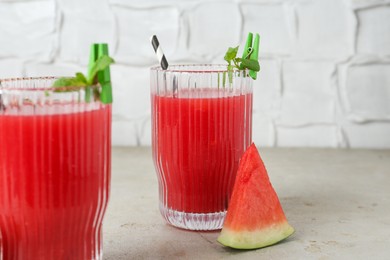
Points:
[[190, 68], [26, 79]]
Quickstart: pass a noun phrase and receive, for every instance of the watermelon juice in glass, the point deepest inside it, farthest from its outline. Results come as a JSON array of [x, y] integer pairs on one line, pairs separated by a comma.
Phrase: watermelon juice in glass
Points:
[[201, 125], [54, 171]]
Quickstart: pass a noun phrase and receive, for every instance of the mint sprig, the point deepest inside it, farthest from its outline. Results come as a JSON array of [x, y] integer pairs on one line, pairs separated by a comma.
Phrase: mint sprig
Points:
[[67, 84], [239, 63]]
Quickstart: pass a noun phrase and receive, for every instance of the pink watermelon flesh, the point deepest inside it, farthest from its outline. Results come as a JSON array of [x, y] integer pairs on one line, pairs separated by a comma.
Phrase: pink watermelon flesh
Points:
[[255, 217]]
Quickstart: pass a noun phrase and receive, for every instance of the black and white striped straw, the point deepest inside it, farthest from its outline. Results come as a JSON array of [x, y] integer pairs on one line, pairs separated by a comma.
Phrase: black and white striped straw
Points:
[[160, 54]]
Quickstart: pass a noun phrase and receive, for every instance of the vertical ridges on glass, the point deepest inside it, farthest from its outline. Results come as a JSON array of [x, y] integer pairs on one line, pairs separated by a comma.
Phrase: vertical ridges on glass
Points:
[[60, 143], [181, 119]]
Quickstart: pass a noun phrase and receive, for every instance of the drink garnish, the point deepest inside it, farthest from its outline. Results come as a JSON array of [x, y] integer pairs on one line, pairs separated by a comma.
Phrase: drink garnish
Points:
[[248, 61], [255, 217], [65, 84], [98, 73]]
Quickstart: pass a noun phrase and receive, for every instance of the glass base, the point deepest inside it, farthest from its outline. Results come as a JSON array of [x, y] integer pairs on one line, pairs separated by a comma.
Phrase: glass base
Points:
[[193, 221]]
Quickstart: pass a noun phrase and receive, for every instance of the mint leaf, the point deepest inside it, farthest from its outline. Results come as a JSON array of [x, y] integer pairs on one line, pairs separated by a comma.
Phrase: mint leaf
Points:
[[80, 76], [100, 64], [243, 63], [69, 82], [231, 54], [250, 64], [80, 81]]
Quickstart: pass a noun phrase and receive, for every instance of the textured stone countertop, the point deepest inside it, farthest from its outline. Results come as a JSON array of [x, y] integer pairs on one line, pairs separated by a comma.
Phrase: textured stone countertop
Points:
[[338, 201]]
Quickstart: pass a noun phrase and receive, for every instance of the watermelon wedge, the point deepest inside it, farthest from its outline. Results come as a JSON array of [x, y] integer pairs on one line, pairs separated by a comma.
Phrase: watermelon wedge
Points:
[[255, 217]]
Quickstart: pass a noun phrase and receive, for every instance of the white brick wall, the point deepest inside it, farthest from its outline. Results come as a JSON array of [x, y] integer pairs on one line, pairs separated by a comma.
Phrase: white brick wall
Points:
[[325, 79]]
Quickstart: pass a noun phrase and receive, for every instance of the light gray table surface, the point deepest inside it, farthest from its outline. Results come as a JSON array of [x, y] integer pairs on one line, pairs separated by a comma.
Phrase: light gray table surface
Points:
[[337, 200]]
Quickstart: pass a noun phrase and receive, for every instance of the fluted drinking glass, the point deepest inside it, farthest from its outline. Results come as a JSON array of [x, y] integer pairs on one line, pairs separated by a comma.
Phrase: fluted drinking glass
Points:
[[55, 156], [201, 125]]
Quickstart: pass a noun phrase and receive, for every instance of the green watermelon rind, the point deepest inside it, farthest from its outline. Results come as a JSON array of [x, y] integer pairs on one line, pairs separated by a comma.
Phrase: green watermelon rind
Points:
[[255, 238], [255, 217]]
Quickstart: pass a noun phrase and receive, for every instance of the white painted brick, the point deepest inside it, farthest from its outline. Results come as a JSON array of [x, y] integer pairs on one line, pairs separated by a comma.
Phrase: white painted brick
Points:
[[136, 26], [263, 130], [27, 29], [131, 92], [371, 135], [296, 100], [145, 132], [131, 132], [267, 88], [80, 30], [308, 93], [326, 29], [11, 68], [124, 133], [131, 106], [214, 28], [374, 31], [95, 8], [15, 1], [310, 136], [151, 3], [367, 3], [33, 69], [274, 23], [368, 92]]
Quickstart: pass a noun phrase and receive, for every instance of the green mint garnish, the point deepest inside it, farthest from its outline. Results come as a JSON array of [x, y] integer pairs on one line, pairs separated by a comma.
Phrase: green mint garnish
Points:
[[100, 64], [81, 81], [231, 54], [250, 64], [239, 63]]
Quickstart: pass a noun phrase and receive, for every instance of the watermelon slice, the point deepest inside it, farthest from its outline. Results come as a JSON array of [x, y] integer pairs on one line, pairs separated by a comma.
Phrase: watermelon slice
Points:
[[255, 217]]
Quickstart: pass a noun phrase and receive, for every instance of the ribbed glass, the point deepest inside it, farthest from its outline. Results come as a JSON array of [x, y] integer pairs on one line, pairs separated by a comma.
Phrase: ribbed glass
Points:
[[55, 161], [201, 125]]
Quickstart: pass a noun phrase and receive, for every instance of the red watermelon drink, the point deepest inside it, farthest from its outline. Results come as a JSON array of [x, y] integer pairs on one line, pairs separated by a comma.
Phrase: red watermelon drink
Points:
[[54, 172], [201, 126]]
